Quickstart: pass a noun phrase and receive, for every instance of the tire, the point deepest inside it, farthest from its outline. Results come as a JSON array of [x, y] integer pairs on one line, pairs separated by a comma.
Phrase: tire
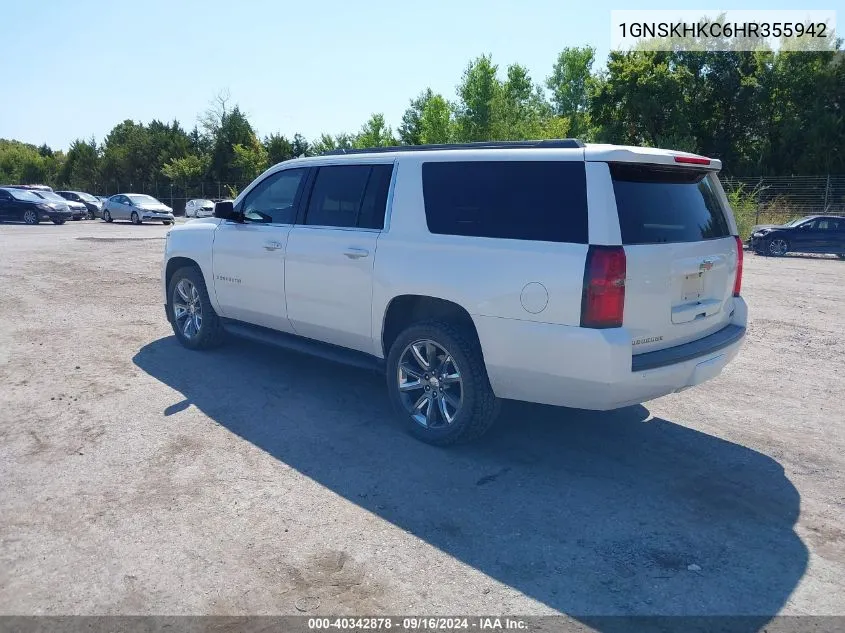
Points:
[[167, 223], [58, 221], [107, 216], [777, 247], [478, 406], [135, 218], [210, 332], [30, 217], [841, 255], [90, 215]]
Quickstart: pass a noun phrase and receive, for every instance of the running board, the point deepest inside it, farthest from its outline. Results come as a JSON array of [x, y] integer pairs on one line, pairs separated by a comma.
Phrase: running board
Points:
[[303, 345]]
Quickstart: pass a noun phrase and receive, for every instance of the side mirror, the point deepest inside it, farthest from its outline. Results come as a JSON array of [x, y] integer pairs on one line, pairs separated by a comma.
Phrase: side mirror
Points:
[[226, 211]]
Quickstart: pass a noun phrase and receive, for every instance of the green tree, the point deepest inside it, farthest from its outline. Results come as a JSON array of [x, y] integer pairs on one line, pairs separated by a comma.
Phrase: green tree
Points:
[[410, 130], [81, 169], [569, 85], [234, 129], [249, 160], [375, 133], [189, 169], [278, 148], [436, 121], [476, 95], [301, 147]]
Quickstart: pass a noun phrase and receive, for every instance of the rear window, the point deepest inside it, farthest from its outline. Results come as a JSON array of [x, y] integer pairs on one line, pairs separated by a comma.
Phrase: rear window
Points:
[[520, 200], [659, 205]]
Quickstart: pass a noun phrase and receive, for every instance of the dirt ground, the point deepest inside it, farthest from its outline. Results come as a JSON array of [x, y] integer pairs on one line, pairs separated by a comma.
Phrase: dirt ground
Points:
[[139, 478]]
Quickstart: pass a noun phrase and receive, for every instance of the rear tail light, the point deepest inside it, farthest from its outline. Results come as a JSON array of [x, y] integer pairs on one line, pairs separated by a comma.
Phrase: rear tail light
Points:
[[603, 299], [739, 255]]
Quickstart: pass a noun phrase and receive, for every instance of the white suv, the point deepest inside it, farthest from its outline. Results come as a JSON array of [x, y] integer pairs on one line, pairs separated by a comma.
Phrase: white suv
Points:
[[591, 276]]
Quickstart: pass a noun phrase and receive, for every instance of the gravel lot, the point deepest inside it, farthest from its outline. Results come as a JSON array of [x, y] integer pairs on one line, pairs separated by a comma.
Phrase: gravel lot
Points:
[[140, 478]]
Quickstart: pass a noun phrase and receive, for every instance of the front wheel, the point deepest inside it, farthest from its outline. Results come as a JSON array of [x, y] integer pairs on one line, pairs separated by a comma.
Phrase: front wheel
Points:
[[777, 247], [167, 222], [30, 217], [107, 216], [90, 215], [58, 221], [194, 321], [438, 384], [135, 218]]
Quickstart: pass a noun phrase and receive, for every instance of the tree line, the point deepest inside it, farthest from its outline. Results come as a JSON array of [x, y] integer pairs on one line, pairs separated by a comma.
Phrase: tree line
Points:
[[763, 113]]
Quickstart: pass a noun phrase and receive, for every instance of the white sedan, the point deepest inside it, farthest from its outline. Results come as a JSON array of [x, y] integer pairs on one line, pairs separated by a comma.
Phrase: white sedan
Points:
[[199, 208]]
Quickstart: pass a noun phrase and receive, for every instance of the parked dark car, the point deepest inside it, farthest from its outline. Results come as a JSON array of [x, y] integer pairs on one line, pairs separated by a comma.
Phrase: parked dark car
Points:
[[91, 203], [24, 205], [77, 209], [813, 234]]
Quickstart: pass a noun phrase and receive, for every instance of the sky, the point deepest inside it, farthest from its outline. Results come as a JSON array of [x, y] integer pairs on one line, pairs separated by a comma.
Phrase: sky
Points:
[[76, 69]]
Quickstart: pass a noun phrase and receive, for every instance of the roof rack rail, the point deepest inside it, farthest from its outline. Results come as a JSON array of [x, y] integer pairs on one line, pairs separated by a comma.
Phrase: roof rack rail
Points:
[[554, 143]]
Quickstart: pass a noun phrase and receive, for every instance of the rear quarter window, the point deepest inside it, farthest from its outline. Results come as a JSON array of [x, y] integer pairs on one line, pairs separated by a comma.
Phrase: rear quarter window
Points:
[[665, 205], [521, 200]]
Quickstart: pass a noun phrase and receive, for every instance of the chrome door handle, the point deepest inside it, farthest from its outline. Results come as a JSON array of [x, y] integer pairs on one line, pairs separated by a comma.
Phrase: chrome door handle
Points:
[[272, 246], [356, 253]]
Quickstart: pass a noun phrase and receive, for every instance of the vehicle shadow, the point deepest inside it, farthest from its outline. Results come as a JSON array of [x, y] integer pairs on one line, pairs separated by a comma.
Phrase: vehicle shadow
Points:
[[592, 514]]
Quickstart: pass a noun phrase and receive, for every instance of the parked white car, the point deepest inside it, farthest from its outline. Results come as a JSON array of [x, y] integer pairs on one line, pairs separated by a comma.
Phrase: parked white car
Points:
[[199, 208], [592, 276], [137, 208]]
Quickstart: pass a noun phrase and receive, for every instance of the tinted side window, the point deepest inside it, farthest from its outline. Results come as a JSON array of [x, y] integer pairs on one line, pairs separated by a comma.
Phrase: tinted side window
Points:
[[658, 205], [339, 194], [522, 200], [375, 198], [273, 199], [828, 224]]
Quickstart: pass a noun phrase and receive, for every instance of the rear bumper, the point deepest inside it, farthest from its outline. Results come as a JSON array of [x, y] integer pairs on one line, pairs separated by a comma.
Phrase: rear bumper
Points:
[[595, 369]]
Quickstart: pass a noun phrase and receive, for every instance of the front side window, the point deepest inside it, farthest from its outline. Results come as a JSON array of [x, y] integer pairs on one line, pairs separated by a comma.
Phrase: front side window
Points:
[[272, 200]]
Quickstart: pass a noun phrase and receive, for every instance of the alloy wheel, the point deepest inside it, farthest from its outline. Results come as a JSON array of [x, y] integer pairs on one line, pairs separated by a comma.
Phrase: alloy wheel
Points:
[[187, 308], [430, 384], [778, 247], [30, 217]]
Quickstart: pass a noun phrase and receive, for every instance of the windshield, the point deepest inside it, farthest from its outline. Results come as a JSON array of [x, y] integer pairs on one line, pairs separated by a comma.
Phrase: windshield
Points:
[[205, 203], [138, 198], [49, 195], [87, 197], [23, 194], [795, 222]]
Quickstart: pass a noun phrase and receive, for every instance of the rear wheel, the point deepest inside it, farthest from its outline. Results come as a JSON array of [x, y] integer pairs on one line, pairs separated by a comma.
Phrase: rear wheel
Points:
[[30, 217], [107, 216], [438, 384], [194, 321], [777, 247], [135, 219]]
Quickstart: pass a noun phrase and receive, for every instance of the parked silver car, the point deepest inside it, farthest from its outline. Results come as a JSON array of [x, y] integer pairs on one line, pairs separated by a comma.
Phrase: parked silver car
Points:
[[199, 208], [136, 207]]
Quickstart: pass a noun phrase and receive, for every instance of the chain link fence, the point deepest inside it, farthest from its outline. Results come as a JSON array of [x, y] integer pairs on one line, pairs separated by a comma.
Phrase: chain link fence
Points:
[[780, 199]]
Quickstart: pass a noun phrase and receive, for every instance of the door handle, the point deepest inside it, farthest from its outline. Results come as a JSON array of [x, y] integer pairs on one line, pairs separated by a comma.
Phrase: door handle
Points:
[[272, 246], [356, 253]]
